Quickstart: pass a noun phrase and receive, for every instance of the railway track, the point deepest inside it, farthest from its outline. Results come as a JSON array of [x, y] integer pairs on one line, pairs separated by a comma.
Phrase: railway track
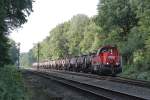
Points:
[[104, 93], [124, 80]]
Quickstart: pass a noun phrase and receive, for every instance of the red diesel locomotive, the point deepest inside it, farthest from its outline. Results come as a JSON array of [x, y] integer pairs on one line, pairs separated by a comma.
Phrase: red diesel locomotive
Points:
[[106, 61]]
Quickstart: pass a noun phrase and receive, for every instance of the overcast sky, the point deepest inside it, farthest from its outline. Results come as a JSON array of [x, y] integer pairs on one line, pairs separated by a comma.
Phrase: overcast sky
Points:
[[47, 14]]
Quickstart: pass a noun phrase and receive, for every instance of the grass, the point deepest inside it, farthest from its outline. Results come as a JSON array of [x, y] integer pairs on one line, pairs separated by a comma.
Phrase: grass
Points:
[[11, 84]]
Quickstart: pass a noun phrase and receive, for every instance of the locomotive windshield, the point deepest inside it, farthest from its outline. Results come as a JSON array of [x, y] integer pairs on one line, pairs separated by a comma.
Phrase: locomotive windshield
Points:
[[102, 50]]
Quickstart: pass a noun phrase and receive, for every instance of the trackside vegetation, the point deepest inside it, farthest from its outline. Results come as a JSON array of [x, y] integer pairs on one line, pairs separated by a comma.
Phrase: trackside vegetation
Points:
[[13, 14], [11, 84], [125, 23]]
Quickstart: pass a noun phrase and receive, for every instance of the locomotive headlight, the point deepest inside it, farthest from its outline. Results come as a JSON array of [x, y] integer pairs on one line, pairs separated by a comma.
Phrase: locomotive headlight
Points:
[[107, 63], [117, 63], [111, 57]]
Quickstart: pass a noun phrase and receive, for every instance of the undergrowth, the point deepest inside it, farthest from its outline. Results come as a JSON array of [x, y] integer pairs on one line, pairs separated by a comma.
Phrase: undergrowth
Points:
[[135, 72], [11, 84]]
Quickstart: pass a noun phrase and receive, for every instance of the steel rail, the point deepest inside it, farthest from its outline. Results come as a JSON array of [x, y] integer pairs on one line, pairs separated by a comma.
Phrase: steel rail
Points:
[[97, 91], [118, 79], [69, 83]]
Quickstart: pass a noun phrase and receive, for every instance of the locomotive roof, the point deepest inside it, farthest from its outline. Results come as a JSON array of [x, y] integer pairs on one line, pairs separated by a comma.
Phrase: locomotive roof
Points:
[[109, 46]]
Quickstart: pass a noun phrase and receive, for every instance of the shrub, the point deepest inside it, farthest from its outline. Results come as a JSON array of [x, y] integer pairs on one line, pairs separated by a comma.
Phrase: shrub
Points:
[[11, 84]]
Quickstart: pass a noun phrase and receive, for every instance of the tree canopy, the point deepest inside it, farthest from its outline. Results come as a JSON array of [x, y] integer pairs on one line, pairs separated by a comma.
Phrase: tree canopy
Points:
[[13, 14]]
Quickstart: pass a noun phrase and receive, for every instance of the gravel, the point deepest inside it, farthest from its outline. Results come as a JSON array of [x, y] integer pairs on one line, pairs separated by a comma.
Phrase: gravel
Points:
[[114, 86], [40, 88]]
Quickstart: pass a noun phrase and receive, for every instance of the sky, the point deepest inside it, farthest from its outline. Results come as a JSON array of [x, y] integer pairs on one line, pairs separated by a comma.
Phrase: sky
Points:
[[47, 14]]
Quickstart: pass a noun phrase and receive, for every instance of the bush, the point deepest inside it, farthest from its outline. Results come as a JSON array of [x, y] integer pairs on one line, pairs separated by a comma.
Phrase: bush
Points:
[[11, 84], [134, 72]]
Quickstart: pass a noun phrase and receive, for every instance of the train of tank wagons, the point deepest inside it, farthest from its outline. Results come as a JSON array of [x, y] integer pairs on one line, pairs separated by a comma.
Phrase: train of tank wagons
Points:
[[107, 61]]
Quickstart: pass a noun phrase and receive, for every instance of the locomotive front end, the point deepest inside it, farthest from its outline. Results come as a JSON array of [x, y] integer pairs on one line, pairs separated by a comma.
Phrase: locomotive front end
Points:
[[107, 61], [111, 60]]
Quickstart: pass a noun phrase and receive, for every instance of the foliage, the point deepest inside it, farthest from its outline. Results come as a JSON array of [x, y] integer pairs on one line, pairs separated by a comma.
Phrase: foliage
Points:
[[13, 52], [13, 14], [26, 59], [11, 84], [76, 33], [117, 14]]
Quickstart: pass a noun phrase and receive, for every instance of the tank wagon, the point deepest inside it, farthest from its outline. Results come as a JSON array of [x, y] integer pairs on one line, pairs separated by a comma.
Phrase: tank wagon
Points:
[[107, 61]]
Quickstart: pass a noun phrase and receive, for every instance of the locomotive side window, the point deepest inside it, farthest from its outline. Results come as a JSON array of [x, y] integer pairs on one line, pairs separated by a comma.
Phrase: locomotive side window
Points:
[[102, 50], [110, 50]]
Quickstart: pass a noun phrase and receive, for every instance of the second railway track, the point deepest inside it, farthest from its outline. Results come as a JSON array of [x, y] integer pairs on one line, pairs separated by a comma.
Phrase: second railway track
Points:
[[124, 80], [87, 86]]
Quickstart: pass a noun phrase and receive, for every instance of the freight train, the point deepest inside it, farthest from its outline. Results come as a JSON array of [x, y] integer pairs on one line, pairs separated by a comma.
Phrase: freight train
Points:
[[107, 61]]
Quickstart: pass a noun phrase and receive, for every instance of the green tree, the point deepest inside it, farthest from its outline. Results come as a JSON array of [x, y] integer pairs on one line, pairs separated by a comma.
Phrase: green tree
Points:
[[117, 14], [144, 29], [117, 18], [76, 33], [13, 51], [91, 38], [12, 15], [26, 59]]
